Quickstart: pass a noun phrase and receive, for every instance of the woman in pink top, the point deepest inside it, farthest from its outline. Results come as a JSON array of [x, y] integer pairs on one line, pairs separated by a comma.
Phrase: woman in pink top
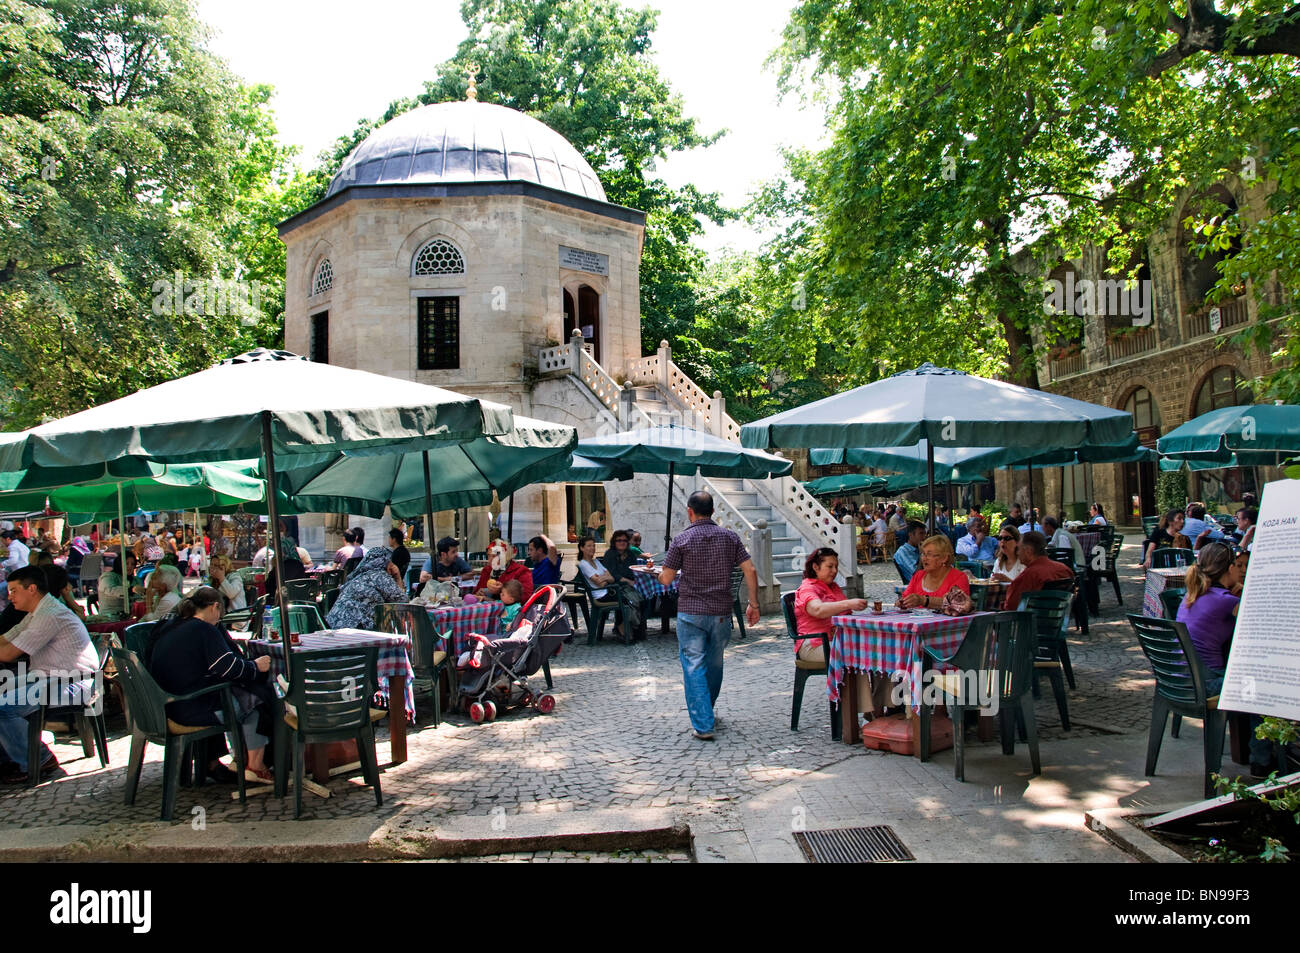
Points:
[[816, 600], [935, 577]]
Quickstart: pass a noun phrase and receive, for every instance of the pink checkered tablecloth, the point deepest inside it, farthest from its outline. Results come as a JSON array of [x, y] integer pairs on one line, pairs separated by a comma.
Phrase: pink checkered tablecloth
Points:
[[647, 582], [1158, 580], [889, 643], [394, 659], [1087, 541], [483, 618]]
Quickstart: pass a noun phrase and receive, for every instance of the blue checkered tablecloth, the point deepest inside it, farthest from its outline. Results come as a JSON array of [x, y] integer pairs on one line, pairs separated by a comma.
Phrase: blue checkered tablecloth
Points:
[[394, 659], [482, 618], [646, 582]]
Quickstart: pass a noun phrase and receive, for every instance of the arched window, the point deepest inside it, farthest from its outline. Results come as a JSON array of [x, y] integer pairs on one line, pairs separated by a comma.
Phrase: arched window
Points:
[[323, 280], [1145, 411], [438, 257], [1222, 388]]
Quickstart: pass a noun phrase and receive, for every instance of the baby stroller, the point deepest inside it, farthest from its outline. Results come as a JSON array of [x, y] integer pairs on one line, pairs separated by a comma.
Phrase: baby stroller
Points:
[[494, 677]]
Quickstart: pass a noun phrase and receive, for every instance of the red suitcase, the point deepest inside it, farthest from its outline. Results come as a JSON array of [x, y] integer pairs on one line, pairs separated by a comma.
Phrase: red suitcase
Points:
[[894, 734]]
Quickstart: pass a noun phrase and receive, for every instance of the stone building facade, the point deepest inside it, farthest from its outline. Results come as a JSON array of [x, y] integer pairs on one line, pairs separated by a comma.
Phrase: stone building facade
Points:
[[1156, 348], [455, 242]]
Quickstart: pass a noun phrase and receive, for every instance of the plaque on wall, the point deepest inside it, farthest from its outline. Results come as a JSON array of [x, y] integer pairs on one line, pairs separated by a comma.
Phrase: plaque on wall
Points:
[[592, 262]]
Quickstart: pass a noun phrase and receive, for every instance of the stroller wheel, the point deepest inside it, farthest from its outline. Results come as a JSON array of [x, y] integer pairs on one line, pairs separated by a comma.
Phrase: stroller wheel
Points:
[[490, 713], [477, 712], [546, 703]]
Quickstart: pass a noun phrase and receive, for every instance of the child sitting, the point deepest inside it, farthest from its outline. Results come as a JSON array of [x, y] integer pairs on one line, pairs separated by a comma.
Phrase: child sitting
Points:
[[512, 592]]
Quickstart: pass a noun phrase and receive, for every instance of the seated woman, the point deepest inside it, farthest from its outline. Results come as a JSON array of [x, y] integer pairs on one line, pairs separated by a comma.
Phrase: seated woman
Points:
[[374, 582], [1005, 565], [190, 652], [1098, 517], [162, 594], [606, 590], [816, 600], [618, 559], [111, 587], [221, 572], [1209, 610], [1170, 526], [935, 577], [500, 568]]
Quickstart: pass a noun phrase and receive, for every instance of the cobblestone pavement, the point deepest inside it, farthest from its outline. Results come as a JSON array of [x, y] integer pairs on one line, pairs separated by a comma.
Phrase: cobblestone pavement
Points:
[[570, 857], [619, 737]]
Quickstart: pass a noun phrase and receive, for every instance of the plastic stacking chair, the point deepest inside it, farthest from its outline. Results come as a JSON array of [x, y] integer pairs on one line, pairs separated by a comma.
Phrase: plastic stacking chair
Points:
[[136, 637], [1180, 690], [1149, 524], [1112, 543], [1051, 611], [1171, 599], [598, 611], [302, 590], [147, 716], [1000, 648], [1169, 558], [303, 618], [413, 581], [977, 569], [1065, 557], [86, 719], [331, 579], [329, 700], [577, 601], [738, 607], [352, 563], [430, 652], [804, 670]]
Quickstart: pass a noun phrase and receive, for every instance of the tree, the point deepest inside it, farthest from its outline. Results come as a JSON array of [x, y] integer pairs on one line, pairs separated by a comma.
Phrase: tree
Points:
[[130, 161]]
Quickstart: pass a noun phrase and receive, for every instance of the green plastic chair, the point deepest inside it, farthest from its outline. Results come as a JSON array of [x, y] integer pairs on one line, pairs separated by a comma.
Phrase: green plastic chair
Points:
[[976, 568], [136, 637], [147, 716], [1051, 611], [329, 700], [1180, 690], [303, 618], [329, 597], [1149, 524], [430, 653], [1001, 648], [302, 590], [597, 612], [804, 670], [412, 580], [1171, 599], [330, 579], [1167, 557], [90, 728], [1112, 542], [738, 607]]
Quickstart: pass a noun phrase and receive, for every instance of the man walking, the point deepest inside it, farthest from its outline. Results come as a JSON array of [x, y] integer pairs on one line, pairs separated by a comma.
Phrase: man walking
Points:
[[705, 553]]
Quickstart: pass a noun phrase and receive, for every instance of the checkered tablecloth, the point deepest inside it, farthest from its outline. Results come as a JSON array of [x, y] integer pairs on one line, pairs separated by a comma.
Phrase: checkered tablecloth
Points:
[[995, 593], [647, 583], [483, 618], [394, 659], [1087, 541], [1158, 580], [890, 644]]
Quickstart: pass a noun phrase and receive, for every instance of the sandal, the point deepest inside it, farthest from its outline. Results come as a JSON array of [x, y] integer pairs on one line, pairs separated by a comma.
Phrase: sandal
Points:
[[258, 776]]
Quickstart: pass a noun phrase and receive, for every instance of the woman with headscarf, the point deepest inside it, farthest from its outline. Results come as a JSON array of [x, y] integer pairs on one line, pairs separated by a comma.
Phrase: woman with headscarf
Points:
[[374, 582]]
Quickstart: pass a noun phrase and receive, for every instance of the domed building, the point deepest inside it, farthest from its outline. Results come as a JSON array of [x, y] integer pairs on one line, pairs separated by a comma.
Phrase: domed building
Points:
[[456, 242]]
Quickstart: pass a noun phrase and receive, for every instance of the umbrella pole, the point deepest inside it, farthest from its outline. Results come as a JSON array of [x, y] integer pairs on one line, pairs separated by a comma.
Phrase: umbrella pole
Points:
[[929, 476], [121, 568], [428, 506], [1030, 470], [273, 533], [510, 522], [668, 520]]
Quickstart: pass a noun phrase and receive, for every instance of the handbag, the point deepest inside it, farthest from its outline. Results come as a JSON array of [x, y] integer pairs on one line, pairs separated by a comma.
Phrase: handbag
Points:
[[957, 602]]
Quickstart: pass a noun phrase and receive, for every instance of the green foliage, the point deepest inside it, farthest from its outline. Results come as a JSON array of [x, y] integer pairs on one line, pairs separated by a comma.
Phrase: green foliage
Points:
[[130, 159], [1272, 839], [1171, 490]]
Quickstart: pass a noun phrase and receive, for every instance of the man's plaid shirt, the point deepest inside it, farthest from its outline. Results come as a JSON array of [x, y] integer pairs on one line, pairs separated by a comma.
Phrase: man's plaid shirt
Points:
[[704, 553]]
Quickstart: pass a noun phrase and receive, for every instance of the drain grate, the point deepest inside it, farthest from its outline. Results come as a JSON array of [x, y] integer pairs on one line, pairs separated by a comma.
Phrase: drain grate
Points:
[[853, 845]]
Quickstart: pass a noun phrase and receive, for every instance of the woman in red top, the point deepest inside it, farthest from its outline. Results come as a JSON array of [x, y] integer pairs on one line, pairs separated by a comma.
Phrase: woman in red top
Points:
[[505, 568], [935, 577], [816, 600]]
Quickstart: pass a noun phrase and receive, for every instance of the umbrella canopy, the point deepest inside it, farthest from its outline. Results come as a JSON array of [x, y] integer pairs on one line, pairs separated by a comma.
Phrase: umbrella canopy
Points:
[[187, 486], [315, 411], [1174, 464], [1258, 435], [655, 449], [951, 464], [464, 475], [845, 483], [669, 449], [949, 408], [585, 470]]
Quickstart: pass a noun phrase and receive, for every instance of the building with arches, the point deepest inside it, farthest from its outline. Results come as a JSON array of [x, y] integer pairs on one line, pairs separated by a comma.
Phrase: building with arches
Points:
[[1158, 346]]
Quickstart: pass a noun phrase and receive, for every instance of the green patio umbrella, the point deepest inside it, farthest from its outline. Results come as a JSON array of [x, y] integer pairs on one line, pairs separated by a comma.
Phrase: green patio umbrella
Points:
[[585, 470], [260, 404], [844, 483], [946, 408], [668, 449], [1252, 435]]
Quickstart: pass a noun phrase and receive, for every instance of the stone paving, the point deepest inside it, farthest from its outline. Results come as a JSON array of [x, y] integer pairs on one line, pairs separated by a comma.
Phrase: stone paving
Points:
[[570, 857], [619, 738]]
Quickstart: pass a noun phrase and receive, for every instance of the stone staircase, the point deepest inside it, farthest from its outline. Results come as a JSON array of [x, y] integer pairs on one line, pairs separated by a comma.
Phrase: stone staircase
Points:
[[779, 521]]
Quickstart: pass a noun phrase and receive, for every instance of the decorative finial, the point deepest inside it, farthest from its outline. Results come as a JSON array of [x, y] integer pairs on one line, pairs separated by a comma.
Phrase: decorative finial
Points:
[[471, 92]]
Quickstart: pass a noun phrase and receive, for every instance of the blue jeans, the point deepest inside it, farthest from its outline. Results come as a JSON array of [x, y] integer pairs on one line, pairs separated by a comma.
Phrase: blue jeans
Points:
[[13, 731], [702, 639]]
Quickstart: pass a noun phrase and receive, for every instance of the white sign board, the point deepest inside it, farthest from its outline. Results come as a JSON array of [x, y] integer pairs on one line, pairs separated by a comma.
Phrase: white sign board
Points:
[[1263, 673], [592, 262]]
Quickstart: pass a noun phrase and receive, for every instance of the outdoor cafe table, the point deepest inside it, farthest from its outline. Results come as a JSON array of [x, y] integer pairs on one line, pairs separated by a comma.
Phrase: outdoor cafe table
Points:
[[483, 618], [995, 592], [394, 669], [888, 643], [646, 581], [1158, 580], [1088, 541]]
